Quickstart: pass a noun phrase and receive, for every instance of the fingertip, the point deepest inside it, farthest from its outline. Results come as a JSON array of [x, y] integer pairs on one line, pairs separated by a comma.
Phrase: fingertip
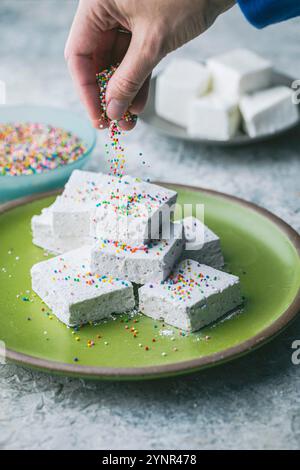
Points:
[[99, 124], [127, 125], [116, 109]]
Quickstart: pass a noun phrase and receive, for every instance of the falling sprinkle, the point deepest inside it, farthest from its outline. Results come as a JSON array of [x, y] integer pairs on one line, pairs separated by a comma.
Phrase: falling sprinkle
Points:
[[115, 151]]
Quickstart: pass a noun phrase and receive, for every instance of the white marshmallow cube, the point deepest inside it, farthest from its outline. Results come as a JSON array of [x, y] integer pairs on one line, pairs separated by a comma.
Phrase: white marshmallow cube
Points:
[[239, 71], [194, 296], [202, 244], [213, 117], [74, 295], [268, 111], [43, 236], [139, 264], [125, 209], [73, 212], [181, 82]]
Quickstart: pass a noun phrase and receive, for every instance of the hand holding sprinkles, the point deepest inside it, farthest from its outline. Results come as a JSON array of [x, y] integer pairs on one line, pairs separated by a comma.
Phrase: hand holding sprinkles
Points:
[[102, 80], [29, 148], [118, 159]]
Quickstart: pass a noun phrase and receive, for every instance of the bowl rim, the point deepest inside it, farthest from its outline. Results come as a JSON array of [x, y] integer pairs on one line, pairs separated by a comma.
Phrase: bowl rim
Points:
[[87, 152]]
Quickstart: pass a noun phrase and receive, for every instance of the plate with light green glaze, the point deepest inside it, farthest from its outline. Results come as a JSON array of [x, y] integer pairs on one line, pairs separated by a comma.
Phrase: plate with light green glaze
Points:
[[258, 247]]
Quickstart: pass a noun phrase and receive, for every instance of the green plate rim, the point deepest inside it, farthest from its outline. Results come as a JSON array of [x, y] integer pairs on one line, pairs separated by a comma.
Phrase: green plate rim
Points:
[[183, 367]]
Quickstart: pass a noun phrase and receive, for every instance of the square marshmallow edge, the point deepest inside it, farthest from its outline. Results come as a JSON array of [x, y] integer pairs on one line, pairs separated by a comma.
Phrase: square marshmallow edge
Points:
[[193, 297], [213, 117], [42, 233], [146, 263], [72, 212], [238, 72], [268, 111], [92, 204], [76, 296], [181, 81], [202, 244]]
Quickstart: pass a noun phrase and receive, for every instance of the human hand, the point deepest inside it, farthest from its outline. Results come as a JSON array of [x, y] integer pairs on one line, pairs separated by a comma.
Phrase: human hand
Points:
[[157, 27]]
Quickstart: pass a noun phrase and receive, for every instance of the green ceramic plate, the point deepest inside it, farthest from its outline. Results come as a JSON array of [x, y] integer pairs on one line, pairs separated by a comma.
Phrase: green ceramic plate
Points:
[[258, 247]]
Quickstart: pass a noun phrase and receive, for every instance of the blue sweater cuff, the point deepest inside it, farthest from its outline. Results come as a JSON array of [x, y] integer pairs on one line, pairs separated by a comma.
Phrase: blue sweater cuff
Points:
[[262, 13]]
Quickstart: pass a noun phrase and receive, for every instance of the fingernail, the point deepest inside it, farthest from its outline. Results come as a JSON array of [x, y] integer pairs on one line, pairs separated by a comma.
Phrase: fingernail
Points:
[[126, 125], [116, 109]]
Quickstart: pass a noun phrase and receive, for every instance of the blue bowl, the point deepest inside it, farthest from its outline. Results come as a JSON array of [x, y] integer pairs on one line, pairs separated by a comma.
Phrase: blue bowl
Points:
[[12, 187]]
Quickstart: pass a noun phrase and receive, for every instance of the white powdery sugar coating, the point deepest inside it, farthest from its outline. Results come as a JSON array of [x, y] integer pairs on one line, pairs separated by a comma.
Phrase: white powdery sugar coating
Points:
[[268, 111], [202, 244], [43, 236], [213, 117], [194, 296], [139, 264], [41, 225], [239, 71], [124, 208], [166, 332], [76, 296], [174, 92]]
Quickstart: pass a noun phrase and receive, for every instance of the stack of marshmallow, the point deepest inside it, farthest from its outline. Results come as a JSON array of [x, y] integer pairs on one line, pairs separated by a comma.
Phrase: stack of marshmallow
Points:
[[113, 233], [232, 91]]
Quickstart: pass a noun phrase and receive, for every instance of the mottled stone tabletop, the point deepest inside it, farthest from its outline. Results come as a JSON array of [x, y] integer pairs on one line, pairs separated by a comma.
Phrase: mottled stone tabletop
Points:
[[253, 402]]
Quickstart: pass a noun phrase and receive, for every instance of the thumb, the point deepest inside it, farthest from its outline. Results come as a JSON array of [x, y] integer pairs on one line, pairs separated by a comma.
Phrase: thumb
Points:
[[130, 76]]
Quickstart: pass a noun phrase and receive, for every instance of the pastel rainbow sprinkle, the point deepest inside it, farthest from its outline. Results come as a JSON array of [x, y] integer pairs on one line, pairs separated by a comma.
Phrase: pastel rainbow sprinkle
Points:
[[117, 159], [30, 148]]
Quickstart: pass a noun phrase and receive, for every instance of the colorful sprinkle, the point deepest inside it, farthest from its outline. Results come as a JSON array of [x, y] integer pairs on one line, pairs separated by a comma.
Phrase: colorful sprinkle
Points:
[[117, 159], [30, 148], [182, 284]]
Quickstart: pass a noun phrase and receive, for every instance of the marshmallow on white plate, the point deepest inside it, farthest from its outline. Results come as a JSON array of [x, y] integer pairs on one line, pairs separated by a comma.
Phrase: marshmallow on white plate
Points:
[[194, 296], [2, 93], [268, 111], [176, 86], [74, 295], [43, 237], [139, 264], [213, 117], [125, 208], [202, 244], [239, 71]]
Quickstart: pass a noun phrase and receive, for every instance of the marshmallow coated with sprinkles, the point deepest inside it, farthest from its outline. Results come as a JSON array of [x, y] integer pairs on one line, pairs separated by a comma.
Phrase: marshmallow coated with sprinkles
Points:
[[193, 296], [126, 210], [141, 263], [202, 244], [76, 296]]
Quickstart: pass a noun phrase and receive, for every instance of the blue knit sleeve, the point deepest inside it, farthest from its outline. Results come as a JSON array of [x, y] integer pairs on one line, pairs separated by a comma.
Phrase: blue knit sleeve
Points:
[[262, 13]]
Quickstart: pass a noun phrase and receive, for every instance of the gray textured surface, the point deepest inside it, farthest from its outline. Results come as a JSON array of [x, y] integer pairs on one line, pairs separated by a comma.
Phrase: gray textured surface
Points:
[[251, 403]]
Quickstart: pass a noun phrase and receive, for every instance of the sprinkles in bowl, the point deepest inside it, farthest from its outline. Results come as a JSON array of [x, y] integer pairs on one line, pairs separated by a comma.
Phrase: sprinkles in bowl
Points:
[[30, 148]]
